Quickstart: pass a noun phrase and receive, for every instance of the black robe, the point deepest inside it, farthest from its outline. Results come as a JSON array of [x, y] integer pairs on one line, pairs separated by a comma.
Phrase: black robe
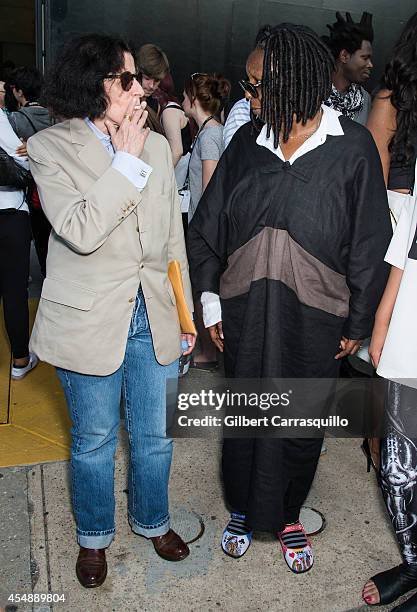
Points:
[[296, 253]]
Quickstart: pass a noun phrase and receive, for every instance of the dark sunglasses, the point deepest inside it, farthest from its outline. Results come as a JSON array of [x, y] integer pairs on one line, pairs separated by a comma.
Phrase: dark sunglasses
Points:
[[126, 79], [250, 88]]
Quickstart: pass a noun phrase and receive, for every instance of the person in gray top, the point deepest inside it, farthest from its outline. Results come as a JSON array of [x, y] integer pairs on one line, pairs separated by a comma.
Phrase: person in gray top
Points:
[[205, 96], [208, 148], [26, 84], [204, 99], [351, 46]]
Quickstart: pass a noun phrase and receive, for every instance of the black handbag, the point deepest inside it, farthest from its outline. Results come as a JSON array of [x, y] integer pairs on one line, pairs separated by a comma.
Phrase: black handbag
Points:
[[12, 174]]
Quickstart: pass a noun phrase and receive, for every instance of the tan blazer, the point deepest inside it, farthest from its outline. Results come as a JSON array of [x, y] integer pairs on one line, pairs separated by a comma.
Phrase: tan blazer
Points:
[[107, 239]]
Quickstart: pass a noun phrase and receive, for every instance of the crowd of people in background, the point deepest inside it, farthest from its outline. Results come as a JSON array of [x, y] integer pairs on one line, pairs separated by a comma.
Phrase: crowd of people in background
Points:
[[298, 206]]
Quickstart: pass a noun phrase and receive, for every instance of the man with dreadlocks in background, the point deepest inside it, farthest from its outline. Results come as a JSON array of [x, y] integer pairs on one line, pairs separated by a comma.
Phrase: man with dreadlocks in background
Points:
[[291, 233], [351, 46]]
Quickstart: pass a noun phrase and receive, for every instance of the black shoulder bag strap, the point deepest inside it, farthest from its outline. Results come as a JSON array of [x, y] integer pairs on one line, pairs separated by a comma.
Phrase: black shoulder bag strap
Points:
[[172, 105], [187, 176]]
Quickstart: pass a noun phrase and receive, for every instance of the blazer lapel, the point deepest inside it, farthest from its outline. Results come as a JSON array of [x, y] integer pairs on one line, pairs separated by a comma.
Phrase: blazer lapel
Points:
[[140, 209], [92, 152]]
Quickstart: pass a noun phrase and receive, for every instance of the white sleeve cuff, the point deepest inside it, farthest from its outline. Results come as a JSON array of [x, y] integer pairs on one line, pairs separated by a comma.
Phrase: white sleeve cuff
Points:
[[400, 242], [212, 311], [133, 168]]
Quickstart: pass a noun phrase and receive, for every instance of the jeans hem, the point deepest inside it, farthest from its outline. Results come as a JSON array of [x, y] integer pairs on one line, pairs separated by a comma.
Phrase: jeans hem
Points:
[[149, 531], [99, 540]]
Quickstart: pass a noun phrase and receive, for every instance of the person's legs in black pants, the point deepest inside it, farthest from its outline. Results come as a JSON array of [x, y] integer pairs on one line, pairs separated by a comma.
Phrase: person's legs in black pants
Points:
[[300, 459], [41, 228], [269, 478], [237, 462], [15, 237]]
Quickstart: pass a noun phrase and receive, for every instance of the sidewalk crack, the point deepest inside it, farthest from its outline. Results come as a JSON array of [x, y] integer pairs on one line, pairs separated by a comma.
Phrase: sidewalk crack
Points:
[[45, 525]]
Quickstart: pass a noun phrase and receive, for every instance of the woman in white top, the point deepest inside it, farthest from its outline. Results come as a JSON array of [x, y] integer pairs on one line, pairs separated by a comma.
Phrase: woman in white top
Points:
[[393, 349], [15, 238]]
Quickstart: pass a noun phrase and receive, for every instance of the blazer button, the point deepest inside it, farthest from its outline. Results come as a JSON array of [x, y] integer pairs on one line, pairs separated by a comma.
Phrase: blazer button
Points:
[[137, 229], [131, 300], [141, 266]]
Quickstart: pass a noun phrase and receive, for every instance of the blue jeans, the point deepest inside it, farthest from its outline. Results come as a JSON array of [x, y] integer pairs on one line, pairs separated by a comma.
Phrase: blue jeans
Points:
[[94, 408]]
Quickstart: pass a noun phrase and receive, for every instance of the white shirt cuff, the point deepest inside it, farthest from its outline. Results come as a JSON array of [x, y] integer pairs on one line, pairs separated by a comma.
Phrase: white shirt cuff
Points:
[[133, 168], [212, 311]]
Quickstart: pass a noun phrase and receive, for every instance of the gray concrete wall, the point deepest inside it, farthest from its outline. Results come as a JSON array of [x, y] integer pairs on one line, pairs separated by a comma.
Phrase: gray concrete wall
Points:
[[208, 35]]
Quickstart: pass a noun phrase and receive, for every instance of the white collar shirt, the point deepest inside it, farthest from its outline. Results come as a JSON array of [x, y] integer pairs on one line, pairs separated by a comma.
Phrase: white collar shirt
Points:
[[103, 138], [329, 126]]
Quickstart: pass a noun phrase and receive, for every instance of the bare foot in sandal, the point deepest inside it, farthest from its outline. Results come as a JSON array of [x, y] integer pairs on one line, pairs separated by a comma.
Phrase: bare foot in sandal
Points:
[[385, 587], [370, 594]]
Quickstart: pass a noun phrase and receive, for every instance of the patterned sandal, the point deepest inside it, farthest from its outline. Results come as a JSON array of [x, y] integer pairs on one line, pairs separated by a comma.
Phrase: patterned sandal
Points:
[[237, 537], [296, 548]]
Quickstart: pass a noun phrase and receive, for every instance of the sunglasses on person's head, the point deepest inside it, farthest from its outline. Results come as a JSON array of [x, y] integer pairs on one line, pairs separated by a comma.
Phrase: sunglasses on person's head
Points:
[[126, 79], [198, 74], [250, 88]]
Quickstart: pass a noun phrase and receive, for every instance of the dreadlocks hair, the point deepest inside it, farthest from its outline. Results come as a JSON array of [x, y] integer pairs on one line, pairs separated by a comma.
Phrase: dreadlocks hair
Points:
[[262, 36], [346, 34], [297, 78]]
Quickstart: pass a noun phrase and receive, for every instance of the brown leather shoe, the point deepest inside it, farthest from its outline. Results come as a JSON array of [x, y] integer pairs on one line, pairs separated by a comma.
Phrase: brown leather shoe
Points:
[[171, 547], [91, 567]]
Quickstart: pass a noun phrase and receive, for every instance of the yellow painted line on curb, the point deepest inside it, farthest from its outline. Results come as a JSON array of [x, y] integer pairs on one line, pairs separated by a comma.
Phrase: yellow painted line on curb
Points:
[[34, 433], [38, 429]]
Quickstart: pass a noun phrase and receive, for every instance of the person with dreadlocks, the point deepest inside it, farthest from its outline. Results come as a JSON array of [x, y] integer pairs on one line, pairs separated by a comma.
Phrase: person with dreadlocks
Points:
[[351, 46], [291, 233]]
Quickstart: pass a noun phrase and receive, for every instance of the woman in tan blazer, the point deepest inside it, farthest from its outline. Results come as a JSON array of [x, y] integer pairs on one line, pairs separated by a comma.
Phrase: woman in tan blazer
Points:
[[107, 317]]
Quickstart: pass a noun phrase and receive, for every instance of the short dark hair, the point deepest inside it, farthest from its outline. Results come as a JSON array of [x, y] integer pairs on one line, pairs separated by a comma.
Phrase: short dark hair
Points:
[[297, 78], [10, 101], [75, 84], [153, 62], [346, 34], [29, 80]]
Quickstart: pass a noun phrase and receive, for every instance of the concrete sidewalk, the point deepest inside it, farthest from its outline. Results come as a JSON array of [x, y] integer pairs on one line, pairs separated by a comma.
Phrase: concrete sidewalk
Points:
[[38, 548]]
